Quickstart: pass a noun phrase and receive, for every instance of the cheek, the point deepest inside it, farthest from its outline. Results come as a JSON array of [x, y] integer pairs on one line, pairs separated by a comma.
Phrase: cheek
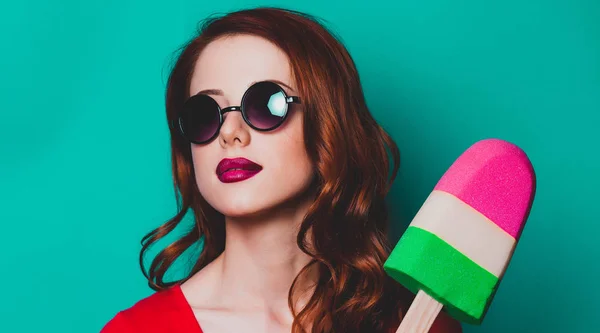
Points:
[[289, 160], [204, 173]]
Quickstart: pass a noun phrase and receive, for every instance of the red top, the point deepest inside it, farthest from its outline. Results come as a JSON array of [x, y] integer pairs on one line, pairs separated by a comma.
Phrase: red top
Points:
[[163, 311], [169, 311]]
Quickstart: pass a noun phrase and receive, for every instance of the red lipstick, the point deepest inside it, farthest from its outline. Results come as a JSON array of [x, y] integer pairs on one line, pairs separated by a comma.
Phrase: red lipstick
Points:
[[236, 169]]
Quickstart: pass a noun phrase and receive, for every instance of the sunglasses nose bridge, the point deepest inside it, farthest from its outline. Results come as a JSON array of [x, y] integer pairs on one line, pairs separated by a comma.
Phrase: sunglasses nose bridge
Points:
[[231, 108], [232, 129]]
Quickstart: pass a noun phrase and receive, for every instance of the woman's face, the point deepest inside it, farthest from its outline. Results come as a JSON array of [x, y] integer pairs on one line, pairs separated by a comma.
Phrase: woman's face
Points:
[[231, 65]]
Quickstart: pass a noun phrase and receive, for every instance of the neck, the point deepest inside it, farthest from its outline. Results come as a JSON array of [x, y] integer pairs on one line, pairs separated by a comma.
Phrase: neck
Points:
[[261, 257]]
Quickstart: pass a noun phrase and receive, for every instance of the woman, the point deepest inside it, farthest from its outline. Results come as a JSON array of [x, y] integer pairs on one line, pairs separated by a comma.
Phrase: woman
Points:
[[285, 170]]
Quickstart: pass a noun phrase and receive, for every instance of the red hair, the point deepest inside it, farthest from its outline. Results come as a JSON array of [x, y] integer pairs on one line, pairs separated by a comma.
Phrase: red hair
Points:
[[348, 221]]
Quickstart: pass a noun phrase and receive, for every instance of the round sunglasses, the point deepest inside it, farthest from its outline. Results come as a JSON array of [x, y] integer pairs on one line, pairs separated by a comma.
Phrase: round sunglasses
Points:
[[264, 107]]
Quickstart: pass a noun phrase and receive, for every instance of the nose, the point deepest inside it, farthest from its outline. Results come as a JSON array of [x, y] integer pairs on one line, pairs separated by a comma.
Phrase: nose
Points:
[[234, 130]]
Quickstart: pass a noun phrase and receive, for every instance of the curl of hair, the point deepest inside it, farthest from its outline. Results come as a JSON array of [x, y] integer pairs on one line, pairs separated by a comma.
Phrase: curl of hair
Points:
[[345, 230]]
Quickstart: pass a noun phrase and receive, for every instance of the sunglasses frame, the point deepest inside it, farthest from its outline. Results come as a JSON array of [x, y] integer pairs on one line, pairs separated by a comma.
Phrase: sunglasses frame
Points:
[[240, 108]]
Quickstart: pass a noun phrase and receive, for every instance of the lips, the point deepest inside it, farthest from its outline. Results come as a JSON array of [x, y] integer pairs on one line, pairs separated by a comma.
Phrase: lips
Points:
[[236, 169]]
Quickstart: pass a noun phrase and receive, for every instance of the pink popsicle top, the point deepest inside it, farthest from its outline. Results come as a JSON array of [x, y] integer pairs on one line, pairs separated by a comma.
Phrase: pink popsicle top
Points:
[[496, 178]]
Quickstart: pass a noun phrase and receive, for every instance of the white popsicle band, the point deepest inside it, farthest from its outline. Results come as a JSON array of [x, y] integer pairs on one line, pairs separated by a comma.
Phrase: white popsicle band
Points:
[[466, 230]]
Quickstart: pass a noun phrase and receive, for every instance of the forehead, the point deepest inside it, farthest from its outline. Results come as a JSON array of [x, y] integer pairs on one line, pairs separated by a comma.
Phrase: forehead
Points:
[[232, 63]]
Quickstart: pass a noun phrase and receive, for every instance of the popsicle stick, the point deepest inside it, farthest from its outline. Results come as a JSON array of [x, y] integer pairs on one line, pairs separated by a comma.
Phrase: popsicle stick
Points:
[[421, 314]]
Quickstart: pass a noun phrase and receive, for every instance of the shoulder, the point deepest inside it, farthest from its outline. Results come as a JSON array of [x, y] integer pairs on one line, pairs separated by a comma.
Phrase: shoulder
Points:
[[445, 324], [151, 314]]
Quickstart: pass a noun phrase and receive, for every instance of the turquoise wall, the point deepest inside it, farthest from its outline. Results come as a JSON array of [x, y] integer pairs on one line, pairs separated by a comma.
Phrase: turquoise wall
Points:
[[84, 155]]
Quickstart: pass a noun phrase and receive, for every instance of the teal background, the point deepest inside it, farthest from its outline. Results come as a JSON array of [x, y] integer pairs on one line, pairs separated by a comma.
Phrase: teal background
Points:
[[84, 155]]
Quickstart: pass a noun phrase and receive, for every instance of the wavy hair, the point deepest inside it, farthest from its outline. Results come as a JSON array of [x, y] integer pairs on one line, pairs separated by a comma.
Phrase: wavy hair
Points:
[[348, 221]]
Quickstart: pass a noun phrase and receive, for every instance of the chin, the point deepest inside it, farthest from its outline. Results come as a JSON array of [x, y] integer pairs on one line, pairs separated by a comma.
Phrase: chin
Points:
[[251, 206], [240, 205], [247, 212], [251, 201]]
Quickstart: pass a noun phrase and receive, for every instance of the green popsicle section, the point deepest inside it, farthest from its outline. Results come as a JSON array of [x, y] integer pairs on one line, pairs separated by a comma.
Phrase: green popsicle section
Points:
[[423, 261]]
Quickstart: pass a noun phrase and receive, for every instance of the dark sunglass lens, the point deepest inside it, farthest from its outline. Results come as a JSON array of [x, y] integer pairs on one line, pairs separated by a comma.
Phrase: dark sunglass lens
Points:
[[265, 105], [200, 118]]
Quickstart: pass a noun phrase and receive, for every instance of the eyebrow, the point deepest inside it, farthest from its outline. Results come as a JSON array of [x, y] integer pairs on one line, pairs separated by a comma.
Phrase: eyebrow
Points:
[[219, 92]]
